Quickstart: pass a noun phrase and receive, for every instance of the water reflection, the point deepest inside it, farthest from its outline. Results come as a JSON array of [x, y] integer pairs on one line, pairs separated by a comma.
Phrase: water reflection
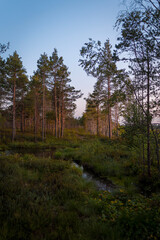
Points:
[[100, 184]]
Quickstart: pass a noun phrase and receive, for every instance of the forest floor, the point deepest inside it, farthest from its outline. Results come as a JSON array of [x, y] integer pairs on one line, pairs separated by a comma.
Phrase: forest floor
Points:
[[45, 197]]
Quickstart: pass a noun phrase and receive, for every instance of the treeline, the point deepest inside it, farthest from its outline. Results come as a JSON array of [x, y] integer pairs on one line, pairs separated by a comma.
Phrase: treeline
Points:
[[42, 102]]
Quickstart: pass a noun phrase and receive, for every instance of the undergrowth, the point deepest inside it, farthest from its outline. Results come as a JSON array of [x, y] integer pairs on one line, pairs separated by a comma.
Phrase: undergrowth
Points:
[[48, 199]]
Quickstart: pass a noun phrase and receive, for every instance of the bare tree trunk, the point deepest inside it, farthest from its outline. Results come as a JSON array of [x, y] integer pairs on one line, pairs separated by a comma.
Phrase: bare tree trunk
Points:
[[97, 120], [14, 111], [22, 113], [148, 118], [43, 111], [24, 123], [109, 110], [22, 119], [116, 118], [143, 151], [62, 117], [53, 128], [55, 106], [62, 125], [157, 147], [157, 153], [35, 118], [59, 119]]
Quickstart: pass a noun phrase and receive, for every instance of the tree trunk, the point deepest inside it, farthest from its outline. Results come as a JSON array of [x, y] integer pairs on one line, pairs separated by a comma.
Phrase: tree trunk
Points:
[[55, 106], [97, 120], [143, 148], [59, 120], [35, 118], [22, 119], [14, 111], [62, 117], [116, 118], [157, 147], [22, 113], [24, 123], [43, 111], [148, 118], [109, 110]]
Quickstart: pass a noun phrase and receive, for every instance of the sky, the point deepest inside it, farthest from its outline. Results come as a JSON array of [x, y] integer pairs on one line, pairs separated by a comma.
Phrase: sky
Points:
[[36, 26]]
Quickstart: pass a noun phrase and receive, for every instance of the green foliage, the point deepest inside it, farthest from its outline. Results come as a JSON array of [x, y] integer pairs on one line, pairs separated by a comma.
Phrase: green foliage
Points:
[[15, 72], [58, 155], [137, 215], [149, 185]]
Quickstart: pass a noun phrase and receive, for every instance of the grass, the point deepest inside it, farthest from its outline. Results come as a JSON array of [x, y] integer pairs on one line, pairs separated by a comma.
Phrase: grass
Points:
[[113, 160], [37, 198], [48, 199], [106, 159]]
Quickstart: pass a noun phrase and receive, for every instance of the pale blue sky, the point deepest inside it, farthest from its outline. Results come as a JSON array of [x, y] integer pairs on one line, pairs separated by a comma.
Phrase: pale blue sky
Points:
[[36, 26]]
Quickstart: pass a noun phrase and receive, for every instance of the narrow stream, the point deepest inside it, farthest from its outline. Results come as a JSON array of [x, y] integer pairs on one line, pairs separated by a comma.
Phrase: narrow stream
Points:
[[100, 184]]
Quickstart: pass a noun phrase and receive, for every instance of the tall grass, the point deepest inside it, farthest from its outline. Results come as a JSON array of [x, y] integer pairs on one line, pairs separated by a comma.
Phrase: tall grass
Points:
[[44, 198], [107, 159]]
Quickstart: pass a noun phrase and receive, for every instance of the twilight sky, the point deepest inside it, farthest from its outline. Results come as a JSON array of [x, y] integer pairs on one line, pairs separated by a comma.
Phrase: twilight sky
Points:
[[36, 26]]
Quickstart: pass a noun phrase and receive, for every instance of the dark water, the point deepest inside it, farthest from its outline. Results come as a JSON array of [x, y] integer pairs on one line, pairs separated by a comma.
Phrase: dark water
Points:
[[49, 153], [100, 184]]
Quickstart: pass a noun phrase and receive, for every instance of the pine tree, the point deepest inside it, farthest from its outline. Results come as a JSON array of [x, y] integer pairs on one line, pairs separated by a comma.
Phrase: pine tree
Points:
[[98, 61], [94, 104], [64, 95], [14, 84], [43, 68], [54, 65], [2, 82], [35, 98]]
